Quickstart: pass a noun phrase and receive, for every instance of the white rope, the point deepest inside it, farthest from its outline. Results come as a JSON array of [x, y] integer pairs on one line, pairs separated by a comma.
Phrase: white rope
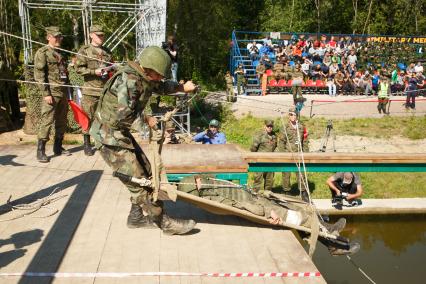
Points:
[[58, 48]]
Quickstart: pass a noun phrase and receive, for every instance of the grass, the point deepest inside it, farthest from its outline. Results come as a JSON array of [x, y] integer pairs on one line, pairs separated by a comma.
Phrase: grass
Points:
[[375, 185], [242, 130]]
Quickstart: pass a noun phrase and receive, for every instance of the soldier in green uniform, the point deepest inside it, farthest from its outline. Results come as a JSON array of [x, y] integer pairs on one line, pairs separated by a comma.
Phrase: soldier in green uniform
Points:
[[92, 66], [296, 88], [50, 68], [230, 95], [241, 79], [383, 94], [122, 100], [278, 70], [265, 141], [289, 139]]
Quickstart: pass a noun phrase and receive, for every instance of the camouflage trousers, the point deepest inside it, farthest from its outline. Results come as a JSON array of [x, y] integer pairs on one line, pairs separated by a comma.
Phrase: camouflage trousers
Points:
[[230, 95], [132, 162], [286, 185], [291, 212], [54, 114], [263, 181], [382, 105], [89, 104]]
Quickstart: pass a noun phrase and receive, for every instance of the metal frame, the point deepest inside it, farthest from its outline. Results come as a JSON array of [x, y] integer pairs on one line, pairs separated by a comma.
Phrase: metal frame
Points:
[[147, 17]]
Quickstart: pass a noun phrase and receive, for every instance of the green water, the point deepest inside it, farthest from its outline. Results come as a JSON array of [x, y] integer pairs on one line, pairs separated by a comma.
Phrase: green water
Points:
[[393, 250]]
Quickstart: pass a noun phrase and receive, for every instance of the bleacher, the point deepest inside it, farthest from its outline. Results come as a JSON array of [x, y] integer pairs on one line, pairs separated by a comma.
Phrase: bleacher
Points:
[[373, 52]]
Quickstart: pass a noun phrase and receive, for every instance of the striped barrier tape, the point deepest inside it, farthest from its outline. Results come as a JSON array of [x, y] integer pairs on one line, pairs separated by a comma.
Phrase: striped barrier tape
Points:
[[143, 274], [362, 101]]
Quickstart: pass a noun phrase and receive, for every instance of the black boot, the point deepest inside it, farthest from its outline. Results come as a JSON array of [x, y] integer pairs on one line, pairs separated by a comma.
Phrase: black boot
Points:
[[353, 248], [172, 226], [41, 151], [305, 196], [136, 219], [88, 151], [57, 147], [336, 227]]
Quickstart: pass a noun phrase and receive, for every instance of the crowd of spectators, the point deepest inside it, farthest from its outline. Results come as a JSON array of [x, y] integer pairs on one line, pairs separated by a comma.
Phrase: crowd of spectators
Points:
[[342, 65]]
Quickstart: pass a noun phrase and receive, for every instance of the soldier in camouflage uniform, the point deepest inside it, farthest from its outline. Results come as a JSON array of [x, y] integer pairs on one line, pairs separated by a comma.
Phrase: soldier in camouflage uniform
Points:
[[230, 95], [291, 135], [275, 208], [92, 66], [122, 100], [50, 68], [241, 79], [266, 141], [296, 88]]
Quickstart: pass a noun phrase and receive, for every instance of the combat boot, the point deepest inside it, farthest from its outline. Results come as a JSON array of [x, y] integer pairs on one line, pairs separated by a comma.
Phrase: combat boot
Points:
[[41, 151], [336, 227], [137, 219], [171, 226], [58, 149], [305, 196], [88, 151], [353, 248]]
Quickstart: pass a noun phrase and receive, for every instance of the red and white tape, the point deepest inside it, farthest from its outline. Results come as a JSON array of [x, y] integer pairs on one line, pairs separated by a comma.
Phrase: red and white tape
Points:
[[142, 274]]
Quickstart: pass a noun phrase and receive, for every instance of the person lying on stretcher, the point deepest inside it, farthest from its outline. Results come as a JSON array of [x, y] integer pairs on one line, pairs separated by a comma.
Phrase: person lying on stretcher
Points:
[[276, 209]]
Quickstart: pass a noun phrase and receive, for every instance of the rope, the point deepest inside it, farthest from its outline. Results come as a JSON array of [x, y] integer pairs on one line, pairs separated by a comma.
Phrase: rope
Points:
[[360, 270], [34, 207], [50, 84], [58, 48]]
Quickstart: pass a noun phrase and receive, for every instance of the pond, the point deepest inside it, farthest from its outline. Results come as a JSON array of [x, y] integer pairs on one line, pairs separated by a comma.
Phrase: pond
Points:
[[393, 250]]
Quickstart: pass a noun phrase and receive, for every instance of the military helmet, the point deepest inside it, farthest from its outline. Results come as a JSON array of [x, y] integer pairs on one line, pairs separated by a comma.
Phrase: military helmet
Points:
[[214, 122], [155, 58]]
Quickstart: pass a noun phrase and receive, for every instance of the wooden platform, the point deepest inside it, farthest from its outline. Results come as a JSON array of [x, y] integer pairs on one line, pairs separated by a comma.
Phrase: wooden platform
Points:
[[336, 162], [89, 232]]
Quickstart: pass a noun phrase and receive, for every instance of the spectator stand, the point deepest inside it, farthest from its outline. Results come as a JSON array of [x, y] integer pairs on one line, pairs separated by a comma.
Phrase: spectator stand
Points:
[[373, 52]]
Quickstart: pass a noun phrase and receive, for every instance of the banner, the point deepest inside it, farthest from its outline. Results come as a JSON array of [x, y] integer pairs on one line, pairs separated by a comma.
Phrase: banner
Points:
[[413, 40]]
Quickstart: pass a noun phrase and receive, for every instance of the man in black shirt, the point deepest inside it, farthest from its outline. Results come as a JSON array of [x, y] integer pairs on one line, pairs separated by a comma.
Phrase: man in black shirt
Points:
[[345, 185]]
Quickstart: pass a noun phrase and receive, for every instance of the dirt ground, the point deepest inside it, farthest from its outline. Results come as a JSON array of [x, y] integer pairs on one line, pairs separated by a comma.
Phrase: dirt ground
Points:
[[344, 107], [359, 144]]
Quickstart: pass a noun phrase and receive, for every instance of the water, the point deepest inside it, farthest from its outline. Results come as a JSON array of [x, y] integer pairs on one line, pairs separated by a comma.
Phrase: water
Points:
[[393, 250]]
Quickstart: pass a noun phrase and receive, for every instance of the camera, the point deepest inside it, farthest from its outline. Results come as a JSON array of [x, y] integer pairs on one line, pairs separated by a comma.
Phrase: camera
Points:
[[164, 45], [210, 134]]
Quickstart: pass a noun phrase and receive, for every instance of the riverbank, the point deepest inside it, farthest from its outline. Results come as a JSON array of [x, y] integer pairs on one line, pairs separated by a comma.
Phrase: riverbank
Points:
[[375, 207]]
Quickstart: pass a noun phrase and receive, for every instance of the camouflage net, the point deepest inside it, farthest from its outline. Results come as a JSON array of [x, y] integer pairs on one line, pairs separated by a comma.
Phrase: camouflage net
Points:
[[34, 100]]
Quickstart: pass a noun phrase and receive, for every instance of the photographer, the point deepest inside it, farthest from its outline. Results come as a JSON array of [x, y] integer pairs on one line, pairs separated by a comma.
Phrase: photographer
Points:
[[211, 135], [172, 50], [345, 185], [170, 135]]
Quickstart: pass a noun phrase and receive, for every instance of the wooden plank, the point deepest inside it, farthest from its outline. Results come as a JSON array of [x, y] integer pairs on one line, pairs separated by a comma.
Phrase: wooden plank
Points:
[[331, 158]]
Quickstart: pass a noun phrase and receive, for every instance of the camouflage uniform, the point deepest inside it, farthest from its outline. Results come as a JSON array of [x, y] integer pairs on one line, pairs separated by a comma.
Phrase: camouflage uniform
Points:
[[50, 67], [241, 80], [289, 143], [93, 58], [264, 142], [278, 70], [230, 95], [122, 101], [270, 206]]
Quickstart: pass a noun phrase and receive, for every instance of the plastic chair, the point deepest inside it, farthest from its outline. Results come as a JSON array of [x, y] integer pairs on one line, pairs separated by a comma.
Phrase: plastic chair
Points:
[[273, 83], [291, 63], [269, 72], [282, 83]]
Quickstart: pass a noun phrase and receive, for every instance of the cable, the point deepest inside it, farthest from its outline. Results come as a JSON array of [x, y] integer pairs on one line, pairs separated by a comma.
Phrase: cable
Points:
[[360, 270], [58, 48]]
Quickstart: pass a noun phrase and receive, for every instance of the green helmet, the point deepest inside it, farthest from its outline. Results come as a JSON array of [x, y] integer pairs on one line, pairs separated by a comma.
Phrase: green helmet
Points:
[[214, 122], [156, 59]]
